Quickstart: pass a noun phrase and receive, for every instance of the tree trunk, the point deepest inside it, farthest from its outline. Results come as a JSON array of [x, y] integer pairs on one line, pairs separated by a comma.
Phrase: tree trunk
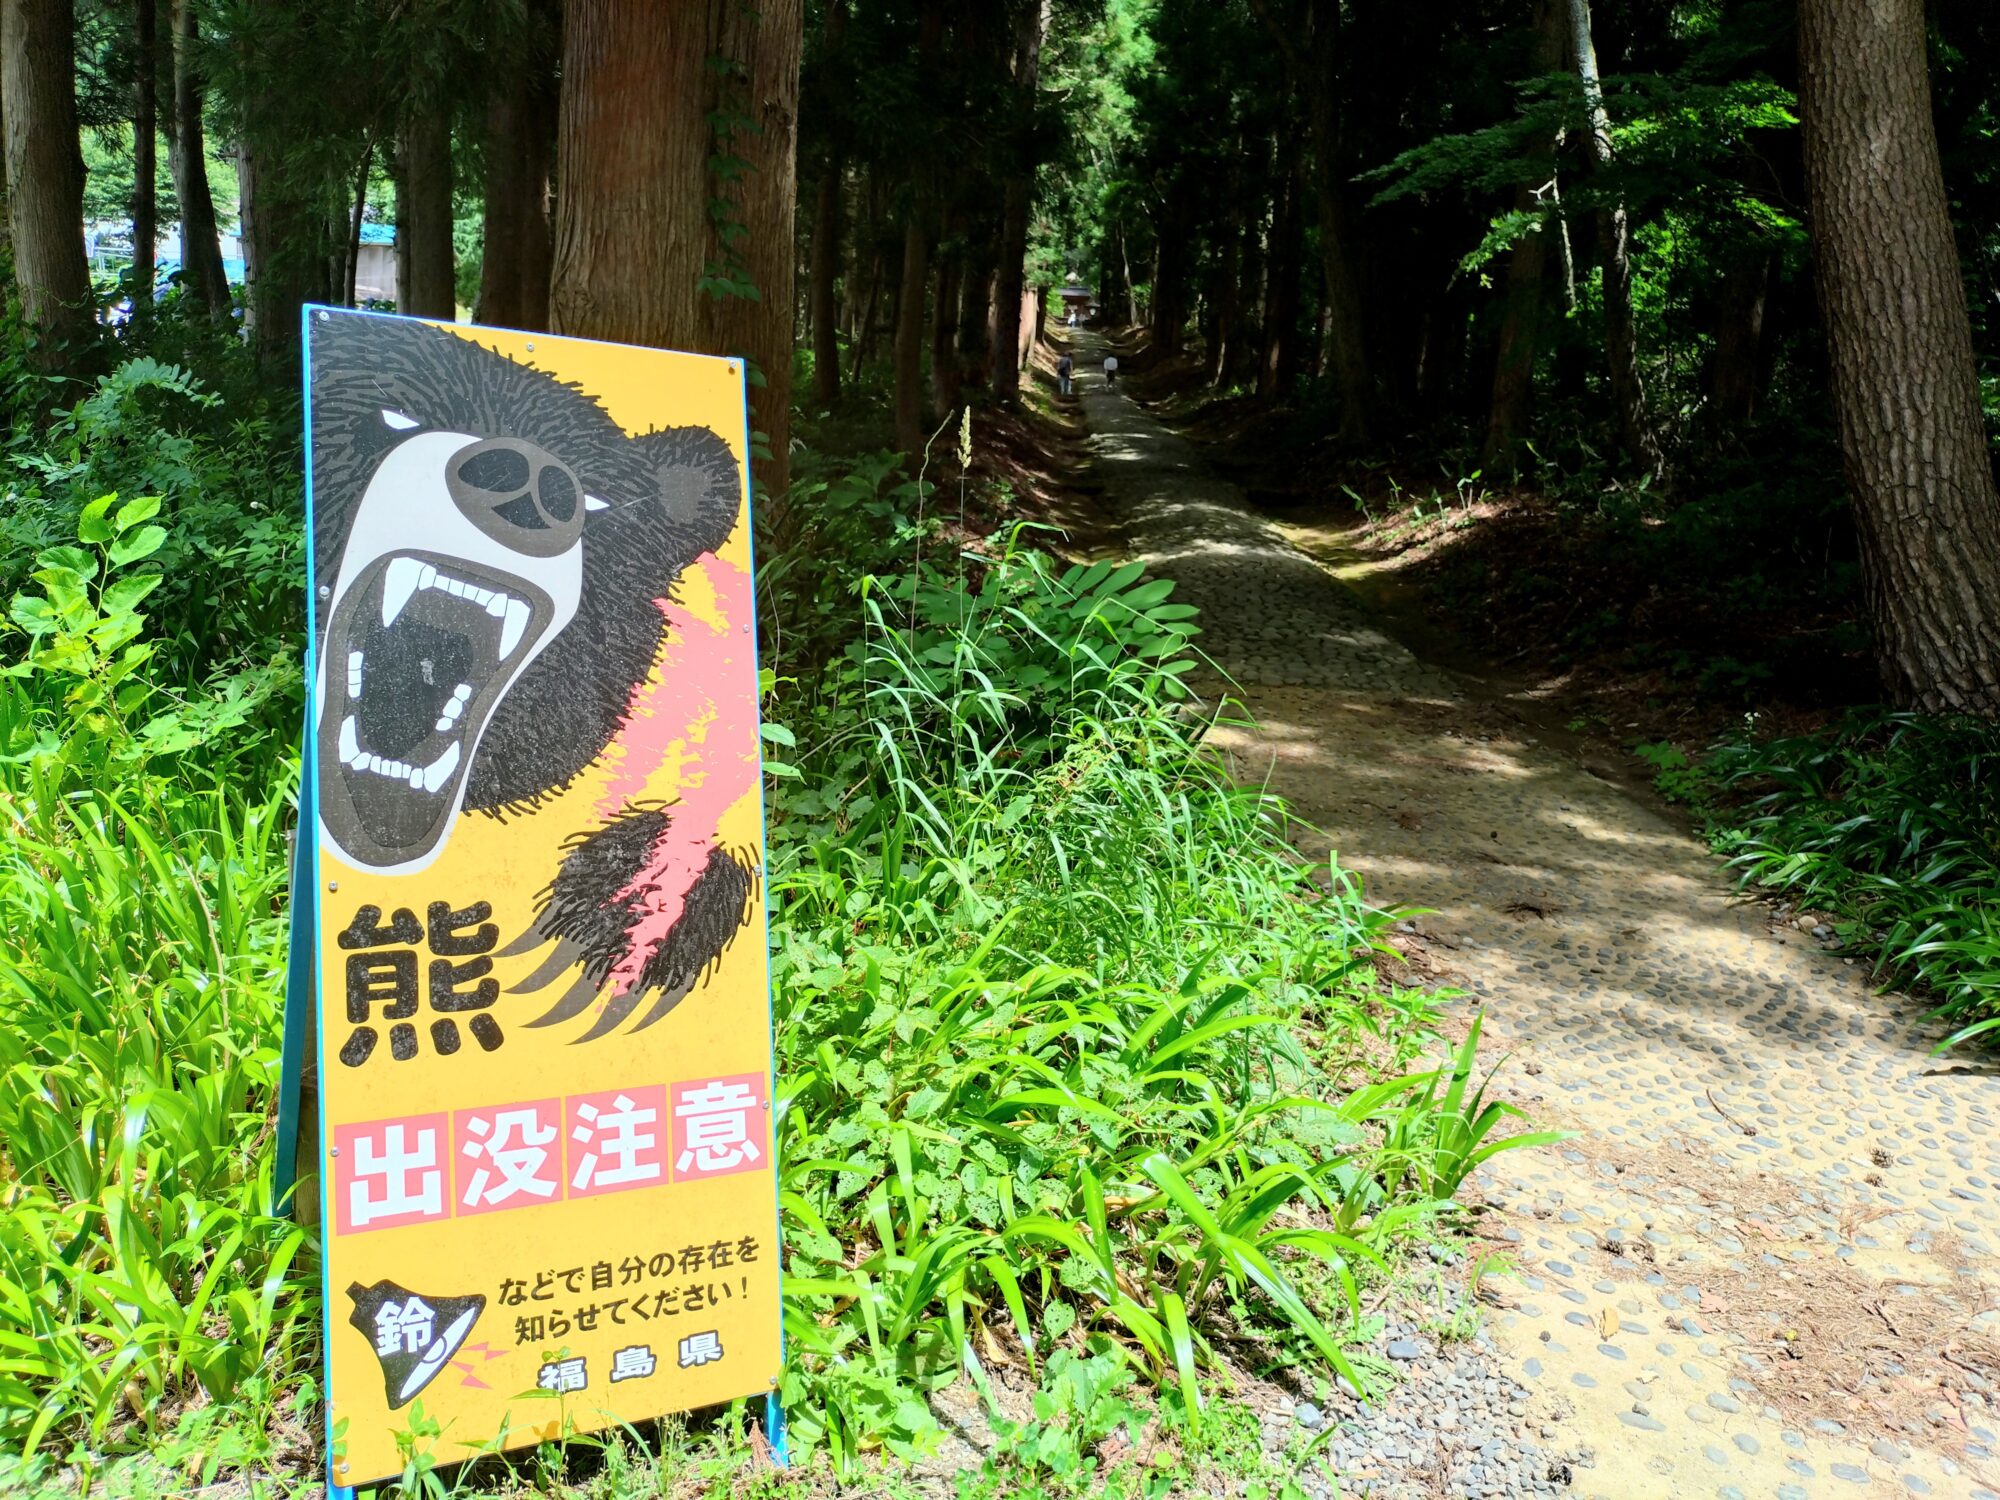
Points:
[[423, 217], [1132, 318], [634, 237], [202, 273], [1736, 375], [908, 354], [1904, 386], [1521, 309], [975, 304], [824, 272], [1281, 273], [145, 160], [520, 155], [1614, 238], [354, 218], [1017, 197], [944, 319], [278, 259], [1347, 351], [45, 179]]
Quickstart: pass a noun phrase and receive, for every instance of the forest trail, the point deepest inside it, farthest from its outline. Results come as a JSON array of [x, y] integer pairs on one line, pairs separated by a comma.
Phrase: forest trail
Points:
[[1765, 1266]]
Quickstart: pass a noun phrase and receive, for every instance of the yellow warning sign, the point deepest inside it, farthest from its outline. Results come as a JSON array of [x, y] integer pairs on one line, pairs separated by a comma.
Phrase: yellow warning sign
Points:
[[544, 1029]]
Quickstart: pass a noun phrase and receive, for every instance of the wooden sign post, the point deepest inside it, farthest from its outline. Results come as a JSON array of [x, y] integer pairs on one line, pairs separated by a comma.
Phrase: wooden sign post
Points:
[[534, 845]]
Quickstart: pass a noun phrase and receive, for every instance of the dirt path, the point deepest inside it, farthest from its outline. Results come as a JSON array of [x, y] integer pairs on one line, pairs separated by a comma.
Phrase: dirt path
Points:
[[1766, 1266]]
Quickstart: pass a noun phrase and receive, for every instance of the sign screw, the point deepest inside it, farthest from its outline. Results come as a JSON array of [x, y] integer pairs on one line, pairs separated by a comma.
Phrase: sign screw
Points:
[[325, 591], [333, 885], [529, 346]]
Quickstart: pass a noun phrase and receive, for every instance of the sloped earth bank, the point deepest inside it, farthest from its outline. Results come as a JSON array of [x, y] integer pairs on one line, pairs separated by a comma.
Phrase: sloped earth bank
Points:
[[1765, 1266]]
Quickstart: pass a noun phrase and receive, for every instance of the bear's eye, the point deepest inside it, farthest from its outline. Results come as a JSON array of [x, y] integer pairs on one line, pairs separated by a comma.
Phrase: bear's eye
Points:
[[396, 421], [502, 470], [558, 492]]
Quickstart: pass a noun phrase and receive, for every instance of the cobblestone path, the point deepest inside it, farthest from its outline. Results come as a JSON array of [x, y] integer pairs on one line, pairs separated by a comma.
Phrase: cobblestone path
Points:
[[1766, 1265]]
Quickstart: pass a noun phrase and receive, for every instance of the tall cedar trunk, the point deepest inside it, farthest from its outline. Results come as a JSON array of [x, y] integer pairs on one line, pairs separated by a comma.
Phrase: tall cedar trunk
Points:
[[145, 159], [520, 156], [1227, 297], [1173, 256], [45, 178], [278, 251], [1736, 375], [975, 303], [358, 210], [1521, 310], [634, 148], [1132, 319], [944, 318], [1904, 386], [824, 273], [1017, 197], [1346, 348], [1614, 239], [423, 219], [277, 270], [908, 354], [1281, 277], [864, 330], [202, 273], [823, 269]]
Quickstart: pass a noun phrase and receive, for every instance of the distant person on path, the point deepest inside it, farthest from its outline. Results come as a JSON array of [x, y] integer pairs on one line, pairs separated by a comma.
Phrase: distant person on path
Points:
[[1065, 368], [1111, 369]]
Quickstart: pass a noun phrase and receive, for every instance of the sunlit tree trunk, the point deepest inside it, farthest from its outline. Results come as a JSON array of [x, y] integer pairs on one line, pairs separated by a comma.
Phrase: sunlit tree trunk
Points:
[[1614, 237], [1904, 386], [45, 178], [634, 237], [1527, 278], [1017, 197], [202, 272]]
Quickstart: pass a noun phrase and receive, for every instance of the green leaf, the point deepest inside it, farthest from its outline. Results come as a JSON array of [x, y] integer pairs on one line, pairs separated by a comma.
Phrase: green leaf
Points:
[[93, 523], [141, 543], [132, 512]]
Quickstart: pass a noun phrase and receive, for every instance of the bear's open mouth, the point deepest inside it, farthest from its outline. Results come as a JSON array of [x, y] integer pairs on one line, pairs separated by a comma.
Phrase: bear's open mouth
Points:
[[419, 652]]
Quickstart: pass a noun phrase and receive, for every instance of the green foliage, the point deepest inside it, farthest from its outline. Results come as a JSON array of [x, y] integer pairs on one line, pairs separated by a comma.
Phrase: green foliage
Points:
[[1066, 1034], [1891, 823]]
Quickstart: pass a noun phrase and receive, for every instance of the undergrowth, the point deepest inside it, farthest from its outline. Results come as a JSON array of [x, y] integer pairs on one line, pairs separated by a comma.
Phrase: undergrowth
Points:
[[1891, 824], [1085, 1081]]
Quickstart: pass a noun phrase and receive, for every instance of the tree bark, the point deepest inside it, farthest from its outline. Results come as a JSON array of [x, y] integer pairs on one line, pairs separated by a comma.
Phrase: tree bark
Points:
[[1521, 309], [1736, 375], [1346, 350], [823, 267], [1904, 386], [278, 259], [145, 159], [633, 238], [517, 238], [423, 217], [1281, 277], [907, 354], [359, 208], [45, 179], [944, 318], [1017, 197], [202, 273], [823, 297], [1614, 237]]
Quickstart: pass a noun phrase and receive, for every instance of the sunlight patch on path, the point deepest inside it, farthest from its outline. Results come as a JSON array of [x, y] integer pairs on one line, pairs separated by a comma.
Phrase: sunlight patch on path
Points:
[[1767, 1265]]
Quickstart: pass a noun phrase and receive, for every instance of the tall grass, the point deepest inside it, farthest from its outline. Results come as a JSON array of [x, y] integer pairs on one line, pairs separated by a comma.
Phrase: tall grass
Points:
[[1079, 1066], [1890, 823]]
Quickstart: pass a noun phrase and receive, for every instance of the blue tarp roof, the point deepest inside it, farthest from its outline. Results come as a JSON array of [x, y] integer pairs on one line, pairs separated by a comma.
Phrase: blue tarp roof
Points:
[[378, 234]]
